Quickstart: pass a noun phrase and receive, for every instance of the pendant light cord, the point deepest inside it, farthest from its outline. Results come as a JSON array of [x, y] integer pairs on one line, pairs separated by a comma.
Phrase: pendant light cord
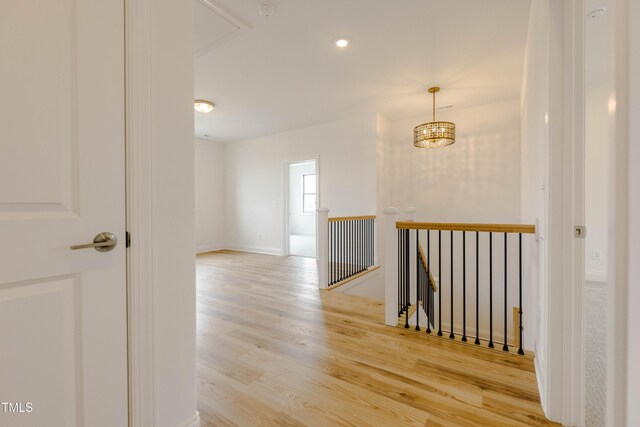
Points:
[[434, 106]]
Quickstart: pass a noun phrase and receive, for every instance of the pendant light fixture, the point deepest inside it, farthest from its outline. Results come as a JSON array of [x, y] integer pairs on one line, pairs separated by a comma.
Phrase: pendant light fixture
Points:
[[434, 134]]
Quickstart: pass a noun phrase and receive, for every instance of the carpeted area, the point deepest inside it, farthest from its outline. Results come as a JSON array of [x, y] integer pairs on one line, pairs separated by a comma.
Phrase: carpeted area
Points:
[[595, 343]]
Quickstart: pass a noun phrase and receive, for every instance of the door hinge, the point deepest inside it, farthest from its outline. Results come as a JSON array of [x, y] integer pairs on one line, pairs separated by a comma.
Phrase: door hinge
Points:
[[580, 231], [128, 239]]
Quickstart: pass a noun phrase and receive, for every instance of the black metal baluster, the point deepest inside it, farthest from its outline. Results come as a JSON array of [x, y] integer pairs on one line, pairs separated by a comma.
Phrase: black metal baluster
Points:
[[360, 246], [464, 287], [417, 283], [367, 242], [333, 258], [338, 252], [491, 289], [406, 262], [520, 350], [440, 282], [356, 248], [372, 246], [363, 249], [344, 250], [339, 257], [404, 272], [353, 247], [399, 276], [330, 253], [430, 311], [451, 335], [350, 248], [346, 253], [334, 251], [401, 266], [356, 225], [336, 266], [356, 238], [406, 277], [505, 347], [477, 288], [372, 241]]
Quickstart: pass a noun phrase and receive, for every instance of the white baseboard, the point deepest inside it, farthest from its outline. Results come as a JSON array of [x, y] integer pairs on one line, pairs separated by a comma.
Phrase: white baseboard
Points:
[[255, 249], [596, 276], [542, 391], [355, 282], [193, 421], [209, 248]]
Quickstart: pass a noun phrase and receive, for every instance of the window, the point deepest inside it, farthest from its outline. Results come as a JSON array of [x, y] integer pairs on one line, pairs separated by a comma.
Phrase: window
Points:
[[309, 194]]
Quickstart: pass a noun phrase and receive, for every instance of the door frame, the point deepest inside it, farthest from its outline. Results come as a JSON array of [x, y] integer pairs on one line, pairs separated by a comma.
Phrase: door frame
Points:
[[574, 213], [286, 250], [142, 35], [623, 340], [140, 297]]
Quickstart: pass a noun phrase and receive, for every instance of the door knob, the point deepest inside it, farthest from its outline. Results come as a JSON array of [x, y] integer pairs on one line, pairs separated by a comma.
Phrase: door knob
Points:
[[103, 242]]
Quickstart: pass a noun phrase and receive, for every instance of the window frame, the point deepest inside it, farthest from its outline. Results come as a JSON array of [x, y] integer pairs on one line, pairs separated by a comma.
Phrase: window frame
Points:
[[315, 193]]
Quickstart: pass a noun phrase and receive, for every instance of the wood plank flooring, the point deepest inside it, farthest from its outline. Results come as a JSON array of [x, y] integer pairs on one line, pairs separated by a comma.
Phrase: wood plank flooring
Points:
[[273, 350]]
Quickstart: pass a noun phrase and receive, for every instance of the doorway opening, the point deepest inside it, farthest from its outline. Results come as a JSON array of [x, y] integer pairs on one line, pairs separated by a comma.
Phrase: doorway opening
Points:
[[597, 176], [302, 198]]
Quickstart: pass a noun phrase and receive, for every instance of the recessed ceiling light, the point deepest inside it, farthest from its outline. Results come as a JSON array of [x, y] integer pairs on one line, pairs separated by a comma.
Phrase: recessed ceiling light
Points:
[[342, 42], [203, 106]]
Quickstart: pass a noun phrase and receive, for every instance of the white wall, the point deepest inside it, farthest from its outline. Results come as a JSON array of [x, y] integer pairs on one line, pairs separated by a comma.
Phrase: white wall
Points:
[[210, 195], [547, 197], [299, 222], [596, 180], [633, 297], [173, 200], [535, 181], [346, 163], [477, 179], [623, 341], [633, 300]]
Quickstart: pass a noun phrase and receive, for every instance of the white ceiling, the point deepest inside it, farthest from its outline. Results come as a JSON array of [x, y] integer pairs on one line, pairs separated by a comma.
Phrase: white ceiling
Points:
[[285, 72]]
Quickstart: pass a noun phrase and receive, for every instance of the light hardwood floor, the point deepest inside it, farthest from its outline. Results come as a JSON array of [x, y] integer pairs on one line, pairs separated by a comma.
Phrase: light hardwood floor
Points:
[[274, 350]]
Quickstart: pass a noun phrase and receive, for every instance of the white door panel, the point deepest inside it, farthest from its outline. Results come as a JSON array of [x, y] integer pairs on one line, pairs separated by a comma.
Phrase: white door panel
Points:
[[62, 312]]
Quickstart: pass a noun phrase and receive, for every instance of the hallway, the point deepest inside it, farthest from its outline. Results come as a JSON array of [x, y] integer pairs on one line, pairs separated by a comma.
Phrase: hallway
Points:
[[274, 350]]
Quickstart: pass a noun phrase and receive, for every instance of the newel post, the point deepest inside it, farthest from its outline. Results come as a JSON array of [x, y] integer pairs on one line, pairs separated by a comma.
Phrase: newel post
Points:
[[410, 214], [390, 237], [322, 257]]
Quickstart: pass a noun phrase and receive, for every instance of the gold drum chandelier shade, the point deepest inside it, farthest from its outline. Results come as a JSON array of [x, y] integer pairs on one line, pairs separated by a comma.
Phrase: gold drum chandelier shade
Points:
[[434, 134]]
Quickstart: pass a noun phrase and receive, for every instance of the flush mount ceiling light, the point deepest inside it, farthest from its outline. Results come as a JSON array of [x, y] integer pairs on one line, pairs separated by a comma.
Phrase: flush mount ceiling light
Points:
[[203, 106], [342, 42], [434, 134]]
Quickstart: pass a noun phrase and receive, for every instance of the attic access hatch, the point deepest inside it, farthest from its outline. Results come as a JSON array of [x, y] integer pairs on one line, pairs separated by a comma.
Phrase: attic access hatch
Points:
[[213, 26]]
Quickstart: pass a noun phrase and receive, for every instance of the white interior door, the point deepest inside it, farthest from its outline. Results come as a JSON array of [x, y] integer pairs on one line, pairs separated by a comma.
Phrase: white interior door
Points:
[[63, 345]]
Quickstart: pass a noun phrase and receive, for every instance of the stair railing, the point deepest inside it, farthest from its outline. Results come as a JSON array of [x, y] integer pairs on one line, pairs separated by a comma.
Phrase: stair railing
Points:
[[347, 247], [466, 268]]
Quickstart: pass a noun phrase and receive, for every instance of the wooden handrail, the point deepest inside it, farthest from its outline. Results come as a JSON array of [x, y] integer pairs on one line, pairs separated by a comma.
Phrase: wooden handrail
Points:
[[454, 226], [424, 266], [351, 218]]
